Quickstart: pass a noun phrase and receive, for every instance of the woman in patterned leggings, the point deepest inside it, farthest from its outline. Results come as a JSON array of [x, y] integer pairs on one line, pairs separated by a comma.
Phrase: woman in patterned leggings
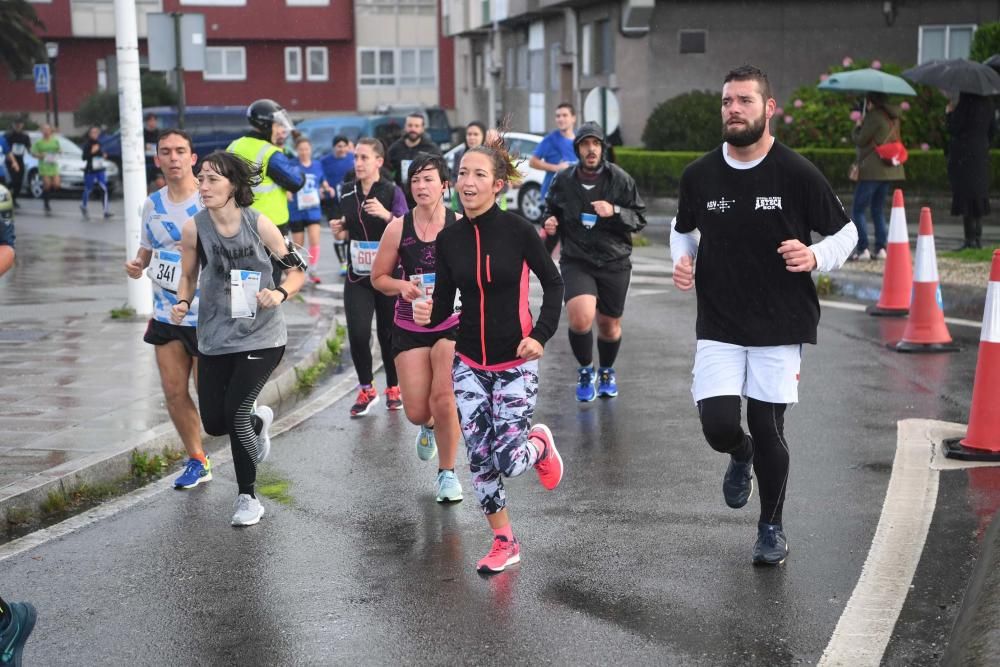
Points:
[[486, 257]]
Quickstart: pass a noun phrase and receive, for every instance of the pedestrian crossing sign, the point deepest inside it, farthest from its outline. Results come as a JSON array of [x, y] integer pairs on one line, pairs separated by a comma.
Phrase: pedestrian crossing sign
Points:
[[42, 79]]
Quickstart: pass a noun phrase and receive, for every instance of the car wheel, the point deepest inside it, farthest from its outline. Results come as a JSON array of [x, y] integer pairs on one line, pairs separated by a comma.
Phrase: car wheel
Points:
[[529, 202], [35, 185]]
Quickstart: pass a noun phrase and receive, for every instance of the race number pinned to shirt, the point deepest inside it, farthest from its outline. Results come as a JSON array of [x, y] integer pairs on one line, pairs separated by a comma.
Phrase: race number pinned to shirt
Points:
[[425, 282], [17, 149], [165, 269], [588, 220], [404, 167], [306, 199], [243, 288], [97, 163], [50, 158], [150, 150], [363, 256]]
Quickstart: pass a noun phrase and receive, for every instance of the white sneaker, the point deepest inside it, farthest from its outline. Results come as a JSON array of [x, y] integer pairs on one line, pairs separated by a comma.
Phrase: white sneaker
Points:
[[881, 254], [864, 254], [247, 510], [266, 415]]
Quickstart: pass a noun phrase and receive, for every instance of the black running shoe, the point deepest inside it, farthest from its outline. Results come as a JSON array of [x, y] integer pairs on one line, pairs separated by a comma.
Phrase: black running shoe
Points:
[[13, 637], [737, 485], [771, 547]]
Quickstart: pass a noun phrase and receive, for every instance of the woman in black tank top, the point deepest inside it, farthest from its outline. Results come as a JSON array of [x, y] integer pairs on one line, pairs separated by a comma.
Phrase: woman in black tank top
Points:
[[404, 267]]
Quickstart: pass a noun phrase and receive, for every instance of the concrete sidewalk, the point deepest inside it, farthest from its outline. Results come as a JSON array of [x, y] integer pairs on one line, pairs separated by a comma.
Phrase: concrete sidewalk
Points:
[[78, 390]]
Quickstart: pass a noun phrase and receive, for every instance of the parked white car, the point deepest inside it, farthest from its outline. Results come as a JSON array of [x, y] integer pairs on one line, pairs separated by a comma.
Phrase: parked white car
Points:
[[70, 167], [527, 198]]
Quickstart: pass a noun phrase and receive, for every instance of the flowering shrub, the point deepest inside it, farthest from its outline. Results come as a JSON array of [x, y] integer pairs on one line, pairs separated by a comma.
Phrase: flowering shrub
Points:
[[824, 119]]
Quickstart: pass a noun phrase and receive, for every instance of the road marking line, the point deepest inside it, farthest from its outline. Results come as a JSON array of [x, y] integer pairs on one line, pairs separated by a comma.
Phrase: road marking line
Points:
[[860, 307], [866, 624], [340, 389]]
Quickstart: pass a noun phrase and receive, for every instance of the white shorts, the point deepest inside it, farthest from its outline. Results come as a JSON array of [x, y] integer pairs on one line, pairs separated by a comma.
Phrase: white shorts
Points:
[[768, 374]]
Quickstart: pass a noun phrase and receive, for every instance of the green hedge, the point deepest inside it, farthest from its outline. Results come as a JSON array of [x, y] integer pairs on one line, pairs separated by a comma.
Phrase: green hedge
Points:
[[658, 172]]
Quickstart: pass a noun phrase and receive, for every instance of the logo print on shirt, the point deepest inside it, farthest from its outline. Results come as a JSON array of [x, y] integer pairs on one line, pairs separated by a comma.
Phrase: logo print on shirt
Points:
[[720, 205], [768, 203]]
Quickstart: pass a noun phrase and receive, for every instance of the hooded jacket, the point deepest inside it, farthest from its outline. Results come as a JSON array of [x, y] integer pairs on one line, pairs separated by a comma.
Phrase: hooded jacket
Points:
[[881, 125], [608, 243]]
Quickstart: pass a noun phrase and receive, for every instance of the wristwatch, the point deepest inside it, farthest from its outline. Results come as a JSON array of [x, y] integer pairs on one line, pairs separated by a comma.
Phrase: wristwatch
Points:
[[284, 294], [617, 209]]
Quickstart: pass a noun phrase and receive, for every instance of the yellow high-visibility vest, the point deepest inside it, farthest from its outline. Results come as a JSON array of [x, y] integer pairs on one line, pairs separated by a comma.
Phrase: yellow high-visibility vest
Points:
[[269, 198]]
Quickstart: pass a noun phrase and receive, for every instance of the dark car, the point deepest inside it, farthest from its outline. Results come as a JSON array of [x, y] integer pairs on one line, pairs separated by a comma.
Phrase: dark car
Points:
[[321, 131], [210, 128]]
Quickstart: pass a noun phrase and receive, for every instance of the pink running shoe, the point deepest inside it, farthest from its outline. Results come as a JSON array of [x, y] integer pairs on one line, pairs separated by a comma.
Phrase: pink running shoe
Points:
[[550, 466], [502, 554]]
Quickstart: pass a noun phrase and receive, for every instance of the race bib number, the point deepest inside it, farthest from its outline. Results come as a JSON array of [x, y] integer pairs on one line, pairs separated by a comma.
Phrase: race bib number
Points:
[[97, 164], [150, 150], [307, 199], [588, 220], [17, 149], [50, 158], [243, 288], [404, 167], [165, 269], [424, 281], [363, 256]]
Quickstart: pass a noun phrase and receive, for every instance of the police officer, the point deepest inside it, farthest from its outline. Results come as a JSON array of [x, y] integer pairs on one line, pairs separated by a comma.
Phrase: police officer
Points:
[[593, 209], [279, 173]]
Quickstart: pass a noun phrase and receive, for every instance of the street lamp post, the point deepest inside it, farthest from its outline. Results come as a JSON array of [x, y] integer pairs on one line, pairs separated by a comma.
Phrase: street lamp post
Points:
[[52, 50]]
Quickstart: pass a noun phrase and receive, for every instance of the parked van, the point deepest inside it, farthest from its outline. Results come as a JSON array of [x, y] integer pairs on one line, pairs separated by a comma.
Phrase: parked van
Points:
[[321, 131], [210, 128]]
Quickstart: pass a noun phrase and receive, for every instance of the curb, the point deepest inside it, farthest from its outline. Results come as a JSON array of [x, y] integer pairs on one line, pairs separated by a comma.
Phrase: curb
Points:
[[105, 467], [975, 637], [962, 301]]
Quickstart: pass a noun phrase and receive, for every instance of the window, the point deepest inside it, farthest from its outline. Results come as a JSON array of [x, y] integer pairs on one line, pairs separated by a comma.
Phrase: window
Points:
[[940, 42], [96, 18], [316, 63], [225, 63], [586, 48], [522, 66], [604, 55], [477, 71], [692, 41], [392, 67], [536, 70], [377, 67], [293, 63], [509, 69]]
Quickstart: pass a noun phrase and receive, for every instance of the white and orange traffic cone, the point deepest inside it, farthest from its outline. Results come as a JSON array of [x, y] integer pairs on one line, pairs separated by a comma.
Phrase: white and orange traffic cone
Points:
[[925, 328], [982, 440], [897, 278]]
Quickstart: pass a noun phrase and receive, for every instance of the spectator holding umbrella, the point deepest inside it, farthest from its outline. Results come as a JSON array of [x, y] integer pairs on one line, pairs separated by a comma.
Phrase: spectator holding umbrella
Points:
[[879, 125], [970, 129]]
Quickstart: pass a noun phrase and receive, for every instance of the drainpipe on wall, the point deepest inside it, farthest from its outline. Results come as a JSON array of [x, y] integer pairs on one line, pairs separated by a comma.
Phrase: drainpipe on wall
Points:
[[570, 41]]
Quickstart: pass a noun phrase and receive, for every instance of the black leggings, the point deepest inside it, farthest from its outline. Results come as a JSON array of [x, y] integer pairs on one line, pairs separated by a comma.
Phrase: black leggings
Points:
[[720, 421], [228, 384], [361, 301]]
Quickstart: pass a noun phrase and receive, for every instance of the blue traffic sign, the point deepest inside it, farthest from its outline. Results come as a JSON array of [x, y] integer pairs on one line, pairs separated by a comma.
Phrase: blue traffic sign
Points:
[[42, 79]]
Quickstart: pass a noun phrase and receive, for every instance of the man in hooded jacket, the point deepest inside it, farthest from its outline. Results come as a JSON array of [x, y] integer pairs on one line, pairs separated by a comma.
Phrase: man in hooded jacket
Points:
[[593, 209]]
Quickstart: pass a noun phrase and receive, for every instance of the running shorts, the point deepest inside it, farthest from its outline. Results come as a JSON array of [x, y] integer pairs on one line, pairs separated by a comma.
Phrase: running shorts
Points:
[[404, 339], [296, 226], [609, 285], [161, 333], [768, 374]]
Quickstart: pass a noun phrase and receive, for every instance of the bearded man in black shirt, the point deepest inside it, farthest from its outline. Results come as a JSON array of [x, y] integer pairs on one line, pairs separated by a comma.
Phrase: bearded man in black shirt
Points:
[[747, 211], [404, 150]]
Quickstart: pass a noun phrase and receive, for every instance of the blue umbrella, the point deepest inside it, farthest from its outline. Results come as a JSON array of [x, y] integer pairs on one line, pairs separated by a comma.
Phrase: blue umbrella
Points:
[[867, 81]]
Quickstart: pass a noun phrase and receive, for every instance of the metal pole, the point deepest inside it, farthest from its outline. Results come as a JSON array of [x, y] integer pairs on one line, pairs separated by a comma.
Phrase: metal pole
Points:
[[179, 70], [140, 294], [55, 95], [48, 106]]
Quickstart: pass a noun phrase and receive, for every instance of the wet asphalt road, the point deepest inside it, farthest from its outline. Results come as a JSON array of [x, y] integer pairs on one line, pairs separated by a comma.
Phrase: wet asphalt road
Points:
[[634, 559]]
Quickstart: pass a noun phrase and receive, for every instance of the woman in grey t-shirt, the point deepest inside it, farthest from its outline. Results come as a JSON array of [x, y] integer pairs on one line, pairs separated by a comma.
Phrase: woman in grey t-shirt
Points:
[[241, 331]]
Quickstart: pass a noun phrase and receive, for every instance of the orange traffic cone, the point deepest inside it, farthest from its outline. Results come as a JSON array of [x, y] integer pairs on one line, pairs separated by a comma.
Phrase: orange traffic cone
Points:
[[925, 328], [897, 279], [982, 441]]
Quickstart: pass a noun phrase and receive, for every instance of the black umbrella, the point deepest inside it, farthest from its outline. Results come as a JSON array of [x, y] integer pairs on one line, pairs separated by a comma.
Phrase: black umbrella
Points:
[[959, 75], [993, 61]]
